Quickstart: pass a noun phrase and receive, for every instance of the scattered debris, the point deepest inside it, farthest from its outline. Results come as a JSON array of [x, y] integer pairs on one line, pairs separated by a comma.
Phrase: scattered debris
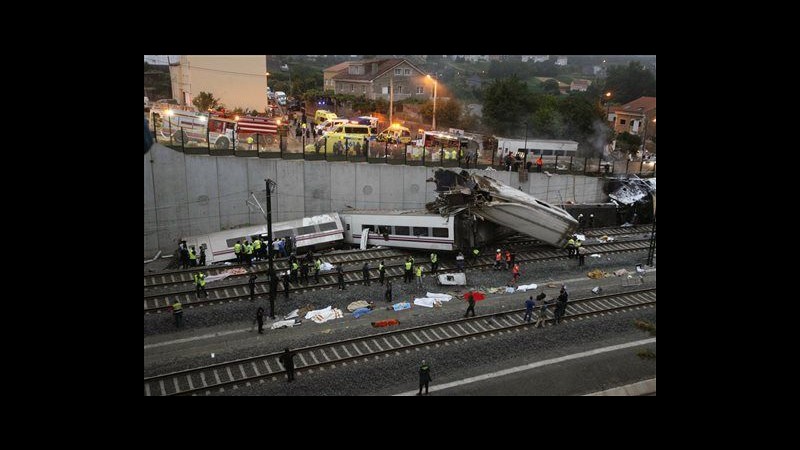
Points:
[[595, 255], [597, 290], [360, 312], [595, 274], [620, 272], [453, 279]]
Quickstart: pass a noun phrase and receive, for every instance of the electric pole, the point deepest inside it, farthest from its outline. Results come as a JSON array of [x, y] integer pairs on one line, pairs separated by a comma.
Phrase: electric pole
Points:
[[273, 279]]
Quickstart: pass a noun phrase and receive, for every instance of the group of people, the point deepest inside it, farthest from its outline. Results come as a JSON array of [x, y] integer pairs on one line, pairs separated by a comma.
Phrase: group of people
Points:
[[561, 307], [188, 256]]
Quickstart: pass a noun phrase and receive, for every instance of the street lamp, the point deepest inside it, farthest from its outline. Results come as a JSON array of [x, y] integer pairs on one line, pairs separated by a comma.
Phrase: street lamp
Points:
[[435, 82], [608, 98]]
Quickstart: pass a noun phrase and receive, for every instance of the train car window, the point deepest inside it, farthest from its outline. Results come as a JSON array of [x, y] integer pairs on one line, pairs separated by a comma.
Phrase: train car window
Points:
[[328, 226], [231, 242], [308, 229], [402, 231], [441, 232], [348, 227], [371, 228], [283, 233], [383, 229], [420, 231], [547, 152]]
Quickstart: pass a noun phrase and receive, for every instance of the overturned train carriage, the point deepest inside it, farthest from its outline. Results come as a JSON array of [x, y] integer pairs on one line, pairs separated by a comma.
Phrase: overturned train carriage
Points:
[[486, 199]]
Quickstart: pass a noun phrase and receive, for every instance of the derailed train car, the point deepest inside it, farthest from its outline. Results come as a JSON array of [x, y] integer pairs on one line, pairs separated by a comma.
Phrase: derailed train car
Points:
[[487, 199], [309, 233], [418, 229]]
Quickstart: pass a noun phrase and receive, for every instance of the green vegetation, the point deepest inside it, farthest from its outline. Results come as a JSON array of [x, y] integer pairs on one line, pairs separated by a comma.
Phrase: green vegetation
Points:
[[627, 83], [205, 101]]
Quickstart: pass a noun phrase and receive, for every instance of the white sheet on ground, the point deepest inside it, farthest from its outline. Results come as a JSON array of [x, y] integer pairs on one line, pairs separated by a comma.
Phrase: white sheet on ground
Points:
[[325, 266], [284, 324], [525, 287], [442, 297], [331, 314], [357, 305], [291, 315], [313, 313], [595, 255], [426, 302]]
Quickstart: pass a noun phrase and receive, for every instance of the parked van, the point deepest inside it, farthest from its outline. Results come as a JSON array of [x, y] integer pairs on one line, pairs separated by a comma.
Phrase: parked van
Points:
[[322, 115], [349, 137], [395, 134], [330, 124], [280, 97]]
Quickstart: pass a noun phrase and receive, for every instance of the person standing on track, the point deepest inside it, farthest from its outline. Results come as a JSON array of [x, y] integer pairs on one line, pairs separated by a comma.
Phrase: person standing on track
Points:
[[424, 377], [287, 359], [260, 320], [471, 300], [252, 283]]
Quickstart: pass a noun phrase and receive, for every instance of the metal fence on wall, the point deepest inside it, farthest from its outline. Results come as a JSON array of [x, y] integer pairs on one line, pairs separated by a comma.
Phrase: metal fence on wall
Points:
[[287, 144]]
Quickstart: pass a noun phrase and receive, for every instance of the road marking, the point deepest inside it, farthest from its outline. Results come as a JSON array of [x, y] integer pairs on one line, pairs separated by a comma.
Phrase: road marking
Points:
[[534, 365]]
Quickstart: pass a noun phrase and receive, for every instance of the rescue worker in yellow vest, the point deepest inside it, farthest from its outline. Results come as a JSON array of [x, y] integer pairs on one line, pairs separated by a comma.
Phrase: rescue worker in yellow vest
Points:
[[177, 313], [237, 250], [249, 253], [434, 262], [192, 257], [570, 246], [250, 143], [257, 248], [317, 266], [419, 276], [295, 267], [381, 272], [475, 253], [201, 285], [577, 246], [407, 277]]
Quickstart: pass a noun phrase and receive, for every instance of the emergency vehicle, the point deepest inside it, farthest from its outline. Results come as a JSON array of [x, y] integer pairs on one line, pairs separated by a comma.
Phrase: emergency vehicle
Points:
[[185, 125]]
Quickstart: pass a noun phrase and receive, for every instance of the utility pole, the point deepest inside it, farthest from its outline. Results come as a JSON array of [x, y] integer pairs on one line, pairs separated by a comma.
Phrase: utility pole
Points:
[[652, 250], [273, 280], [391, 96]]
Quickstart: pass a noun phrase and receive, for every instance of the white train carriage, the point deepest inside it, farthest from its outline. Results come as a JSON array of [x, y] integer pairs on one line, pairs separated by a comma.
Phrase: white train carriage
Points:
[[395, 228], [315, 233]]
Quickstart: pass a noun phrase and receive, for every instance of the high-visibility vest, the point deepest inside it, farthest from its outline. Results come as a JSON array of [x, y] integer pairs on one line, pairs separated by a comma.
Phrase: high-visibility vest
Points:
[[475, 251], [257, 244], [577, 243], [408, 265], [202, 280], [294, 265], [237, 248], [571, 243], [250, 140], [434, 258], [317, 264], [192, 255], [419, 271], [249, 249], [381, 267], [177, 307]]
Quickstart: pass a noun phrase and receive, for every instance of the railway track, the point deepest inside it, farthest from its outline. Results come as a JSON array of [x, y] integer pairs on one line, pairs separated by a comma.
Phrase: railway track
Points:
[[152, 283], [166, 279], [157, 303], [262, 368]]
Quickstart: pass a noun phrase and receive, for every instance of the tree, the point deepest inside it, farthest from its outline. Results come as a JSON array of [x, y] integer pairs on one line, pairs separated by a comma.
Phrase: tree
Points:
[[551, 87], [505, 102], [448, 113], [630, 82], [628, 143], [205, 101]]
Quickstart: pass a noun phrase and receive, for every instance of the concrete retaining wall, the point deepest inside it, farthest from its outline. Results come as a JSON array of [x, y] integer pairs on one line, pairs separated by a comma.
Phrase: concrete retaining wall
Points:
[[194, 194]]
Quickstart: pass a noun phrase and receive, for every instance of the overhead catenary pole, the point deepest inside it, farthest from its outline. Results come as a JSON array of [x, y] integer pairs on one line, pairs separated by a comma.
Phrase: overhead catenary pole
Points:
[[391, 96], [273, 282]]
